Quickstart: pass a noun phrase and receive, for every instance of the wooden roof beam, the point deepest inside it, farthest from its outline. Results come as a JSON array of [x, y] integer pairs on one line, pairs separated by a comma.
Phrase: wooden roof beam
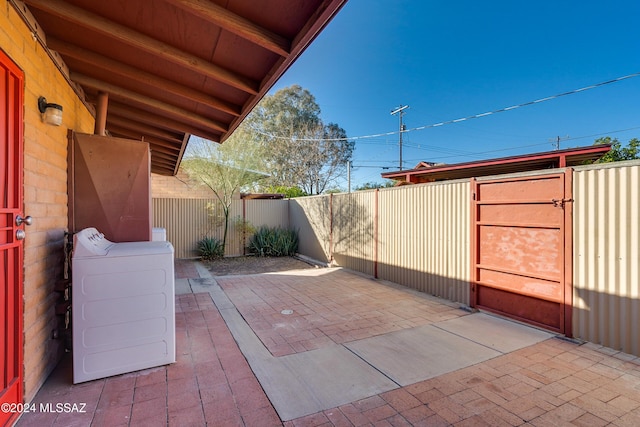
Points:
[[110, 29], [162, 162], [171, 110], [151, 119], [158, 153], [158, 144], [162, 170], [315, 24], [119, 109], [139, 76], [171, 140], [236, 24]]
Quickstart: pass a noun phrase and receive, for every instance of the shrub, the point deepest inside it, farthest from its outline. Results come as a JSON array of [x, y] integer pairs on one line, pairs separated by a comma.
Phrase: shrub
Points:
[[210, 248], [268, 241]]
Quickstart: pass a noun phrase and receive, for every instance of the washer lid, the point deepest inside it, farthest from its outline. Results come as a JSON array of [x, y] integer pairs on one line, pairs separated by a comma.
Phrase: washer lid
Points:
[[139, 248]]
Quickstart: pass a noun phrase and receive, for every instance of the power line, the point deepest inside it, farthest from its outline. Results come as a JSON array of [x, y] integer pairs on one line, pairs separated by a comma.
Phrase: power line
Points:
[[462, 119], [481, 153]]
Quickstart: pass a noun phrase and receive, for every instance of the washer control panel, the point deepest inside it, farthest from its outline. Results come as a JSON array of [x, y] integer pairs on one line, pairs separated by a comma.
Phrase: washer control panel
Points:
[[90, 242]]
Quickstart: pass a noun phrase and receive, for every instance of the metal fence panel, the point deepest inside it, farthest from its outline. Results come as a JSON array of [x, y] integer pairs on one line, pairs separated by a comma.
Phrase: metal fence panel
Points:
[[354, 229], [311, 217], [185, 221], [419, 236], [424, 238], [606, 265], [189, 220]]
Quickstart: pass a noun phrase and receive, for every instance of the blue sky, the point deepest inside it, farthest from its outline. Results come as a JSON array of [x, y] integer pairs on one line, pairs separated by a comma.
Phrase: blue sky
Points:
[[453, 59]]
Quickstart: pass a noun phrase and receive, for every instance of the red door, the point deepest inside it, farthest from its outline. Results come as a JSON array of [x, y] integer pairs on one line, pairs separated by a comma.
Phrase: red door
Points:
[[522, 249], [11, 235]]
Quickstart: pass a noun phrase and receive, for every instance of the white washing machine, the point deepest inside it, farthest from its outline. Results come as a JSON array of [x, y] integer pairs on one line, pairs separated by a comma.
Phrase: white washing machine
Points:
[[158, 234], [123, 306]]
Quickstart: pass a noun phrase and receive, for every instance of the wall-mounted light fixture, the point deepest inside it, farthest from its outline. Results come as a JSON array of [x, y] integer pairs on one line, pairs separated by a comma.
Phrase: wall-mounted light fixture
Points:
[[51, 113]]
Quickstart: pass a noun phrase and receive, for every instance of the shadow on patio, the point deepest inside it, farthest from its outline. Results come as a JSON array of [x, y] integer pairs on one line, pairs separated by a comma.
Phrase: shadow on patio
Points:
[[353, 352]]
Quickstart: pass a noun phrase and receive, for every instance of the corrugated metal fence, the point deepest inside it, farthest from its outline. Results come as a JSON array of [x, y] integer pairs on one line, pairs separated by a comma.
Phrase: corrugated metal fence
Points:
[[189, 220], [419, 236], [606, 264]]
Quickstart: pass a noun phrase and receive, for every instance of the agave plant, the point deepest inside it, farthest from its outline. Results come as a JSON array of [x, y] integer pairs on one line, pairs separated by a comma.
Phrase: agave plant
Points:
[[210, 248], [274, 241]]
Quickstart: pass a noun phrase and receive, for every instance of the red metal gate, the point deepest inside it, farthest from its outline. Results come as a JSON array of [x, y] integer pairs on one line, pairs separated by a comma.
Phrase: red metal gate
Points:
[[521, 247], [11, 248]]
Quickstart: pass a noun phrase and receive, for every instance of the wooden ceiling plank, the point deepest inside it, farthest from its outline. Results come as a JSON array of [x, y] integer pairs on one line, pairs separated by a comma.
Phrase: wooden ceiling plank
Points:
[[162, 170], [145, 117], [171, 141], [159, 144], [118, 109], [171, 110], [236, 24], [84, 18], [313, 27], [161, 162], [138, 75], [157, 151]]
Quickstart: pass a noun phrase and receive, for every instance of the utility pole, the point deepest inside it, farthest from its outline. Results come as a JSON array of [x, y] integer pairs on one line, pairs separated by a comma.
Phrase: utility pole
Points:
[[400, 112], [556, 143], [349, 176]]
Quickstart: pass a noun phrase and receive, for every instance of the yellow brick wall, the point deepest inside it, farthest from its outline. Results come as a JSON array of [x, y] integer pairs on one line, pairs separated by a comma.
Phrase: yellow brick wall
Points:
[[177, 187], [45, 192]]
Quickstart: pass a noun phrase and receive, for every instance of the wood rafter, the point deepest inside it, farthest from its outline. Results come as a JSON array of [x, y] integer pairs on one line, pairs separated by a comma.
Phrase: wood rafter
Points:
[[164, 78], [118, 109], [137, 75], [161, 162], [155, 151], [159, 144], [171, 110], [173, 141], [81, 17], [162, 170], [236, 24]]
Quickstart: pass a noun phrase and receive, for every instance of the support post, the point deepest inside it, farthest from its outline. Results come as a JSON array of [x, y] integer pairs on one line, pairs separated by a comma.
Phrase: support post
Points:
[[101, 114]]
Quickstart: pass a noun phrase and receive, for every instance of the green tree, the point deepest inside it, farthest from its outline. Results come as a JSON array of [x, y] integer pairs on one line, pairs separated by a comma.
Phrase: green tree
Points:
[[289, 192], [618, 152], [225, 169], [388, 183], [301, 150]]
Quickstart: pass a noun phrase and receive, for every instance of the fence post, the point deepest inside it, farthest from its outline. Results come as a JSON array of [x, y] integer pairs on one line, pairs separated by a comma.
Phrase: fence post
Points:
[[330, 228], [244, 228], [375, 234]]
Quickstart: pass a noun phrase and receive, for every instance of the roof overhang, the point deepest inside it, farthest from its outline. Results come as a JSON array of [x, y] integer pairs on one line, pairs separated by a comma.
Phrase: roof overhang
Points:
[[522, 163], [167, 69]]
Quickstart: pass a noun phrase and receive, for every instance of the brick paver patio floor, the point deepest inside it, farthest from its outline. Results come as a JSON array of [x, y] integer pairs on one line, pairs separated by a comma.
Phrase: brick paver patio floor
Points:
[[553, 383], [327, 308]]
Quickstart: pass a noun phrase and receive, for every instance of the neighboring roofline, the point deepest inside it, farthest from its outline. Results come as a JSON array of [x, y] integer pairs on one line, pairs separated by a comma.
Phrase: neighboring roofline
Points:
[[261, 196], [557, 158]]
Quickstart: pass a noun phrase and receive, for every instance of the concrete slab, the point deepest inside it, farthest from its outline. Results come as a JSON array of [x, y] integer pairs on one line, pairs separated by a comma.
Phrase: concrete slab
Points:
[[209, 284], [182, 286], [305, 383], [417, 354], [202, 270], [494, 332], [334, 376], [309, 382]]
